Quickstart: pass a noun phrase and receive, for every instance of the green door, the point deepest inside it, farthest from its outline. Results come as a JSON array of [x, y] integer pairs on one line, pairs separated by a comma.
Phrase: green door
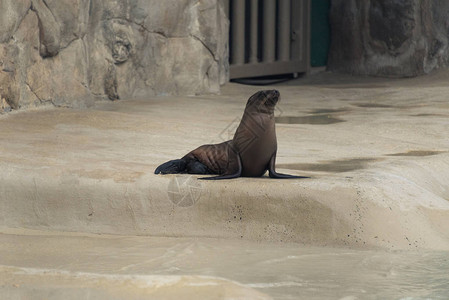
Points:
[[320, 33]]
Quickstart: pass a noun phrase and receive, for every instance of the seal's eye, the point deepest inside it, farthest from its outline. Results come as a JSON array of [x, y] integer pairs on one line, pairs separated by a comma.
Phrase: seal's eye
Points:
[[261, 95]]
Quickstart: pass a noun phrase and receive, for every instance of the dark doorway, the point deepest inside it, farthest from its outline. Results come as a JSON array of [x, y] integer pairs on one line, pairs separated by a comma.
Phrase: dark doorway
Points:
[[320, 32]]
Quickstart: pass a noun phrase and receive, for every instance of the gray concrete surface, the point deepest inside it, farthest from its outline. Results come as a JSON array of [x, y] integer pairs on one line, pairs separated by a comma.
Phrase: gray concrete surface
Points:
[[377, 152], [56, 265]]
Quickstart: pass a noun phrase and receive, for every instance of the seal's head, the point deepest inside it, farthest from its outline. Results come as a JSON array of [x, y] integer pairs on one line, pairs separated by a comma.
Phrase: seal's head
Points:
[[264, 101]]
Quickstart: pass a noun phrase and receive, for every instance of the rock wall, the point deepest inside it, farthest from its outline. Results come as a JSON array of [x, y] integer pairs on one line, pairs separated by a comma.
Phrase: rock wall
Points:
[[71, 52], [389, 37]]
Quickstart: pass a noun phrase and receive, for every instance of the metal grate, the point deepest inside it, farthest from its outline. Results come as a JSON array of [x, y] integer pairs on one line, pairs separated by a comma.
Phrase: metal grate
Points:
[[268, 37]]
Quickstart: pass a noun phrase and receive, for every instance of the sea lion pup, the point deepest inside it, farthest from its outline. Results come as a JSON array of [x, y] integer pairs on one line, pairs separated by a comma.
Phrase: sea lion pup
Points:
[[250, 153]]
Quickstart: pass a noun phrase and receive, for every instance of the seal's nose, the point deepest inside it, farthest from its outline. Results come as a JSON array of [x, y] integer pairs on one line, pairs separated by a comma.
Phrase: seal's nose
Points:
[[272, 97], [273, 93]]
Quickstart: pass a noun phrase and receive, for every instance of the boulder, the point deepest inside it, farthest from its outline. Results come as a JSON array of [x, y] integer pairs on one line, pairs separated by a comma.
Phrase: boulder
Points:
[[398, 38], [71, 52]]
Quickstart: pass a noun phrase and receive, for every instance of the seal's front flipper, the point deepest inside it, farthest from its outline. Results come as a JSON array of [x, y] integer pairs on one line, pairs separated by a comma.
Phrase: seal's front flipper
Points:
[[237, 168], [172, 167], [273, 174]]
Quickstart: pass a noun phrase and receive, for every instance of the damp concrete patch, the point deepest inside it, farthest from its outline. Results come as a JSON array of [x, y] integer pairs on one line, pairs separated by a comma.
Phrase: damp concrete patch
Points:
[[311, 120], [330, 110], [418, 153], [430, 115], [319, 116], [382, 105], [373, 105], [334, 166]]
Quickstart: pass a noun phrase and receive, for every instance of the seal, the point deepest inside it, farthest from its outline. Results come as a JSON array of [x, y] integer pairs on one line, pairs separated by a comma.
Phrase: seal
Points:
[[250, 153]]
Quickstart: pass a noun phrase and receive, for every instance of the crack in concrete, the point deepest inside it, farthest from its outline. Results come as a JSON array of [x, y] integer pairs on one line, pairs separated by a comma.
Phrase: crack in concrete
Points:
[[42, 101], [37, 211], [24, 16], [130, 209], [143, 27], [46, 5], [76, 38], [205, 46]]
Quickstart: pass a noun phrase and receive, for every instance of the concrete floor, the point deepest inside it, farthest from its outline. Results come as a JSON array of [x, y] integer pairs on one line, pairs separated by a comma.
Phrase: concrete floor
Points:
[[376, 149], [55, 265]]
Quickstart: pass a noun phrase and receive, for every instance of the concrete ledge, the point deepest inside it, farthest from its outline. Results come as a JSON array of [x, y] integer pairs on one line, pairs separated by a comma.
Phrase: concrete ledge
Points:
[[379, 174]]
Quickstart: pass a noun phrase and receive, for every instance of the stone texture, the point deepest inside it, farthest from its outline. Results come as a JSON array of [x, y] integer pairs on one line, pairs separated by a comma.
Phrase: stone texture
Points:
[[49, 29], [12, 13], [71, 52], [389, 38]]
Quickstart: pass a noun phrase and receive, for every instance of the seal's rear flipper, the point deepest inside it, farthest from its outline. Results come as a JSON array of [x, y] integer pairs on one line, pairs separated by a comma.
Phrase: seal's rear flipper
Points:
[[236, 165], [196, 167], [172, 167], [273, 174]]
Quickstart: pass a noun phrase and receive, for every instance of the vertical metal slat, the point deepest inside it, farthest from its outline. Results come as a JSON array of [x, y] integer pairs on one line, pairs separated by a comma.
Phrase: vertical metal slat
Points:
[[301, 30], [271, 38], [269, 30], [254, 32], [238, 32], [306, 7], [296, 34], [284, 30]]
